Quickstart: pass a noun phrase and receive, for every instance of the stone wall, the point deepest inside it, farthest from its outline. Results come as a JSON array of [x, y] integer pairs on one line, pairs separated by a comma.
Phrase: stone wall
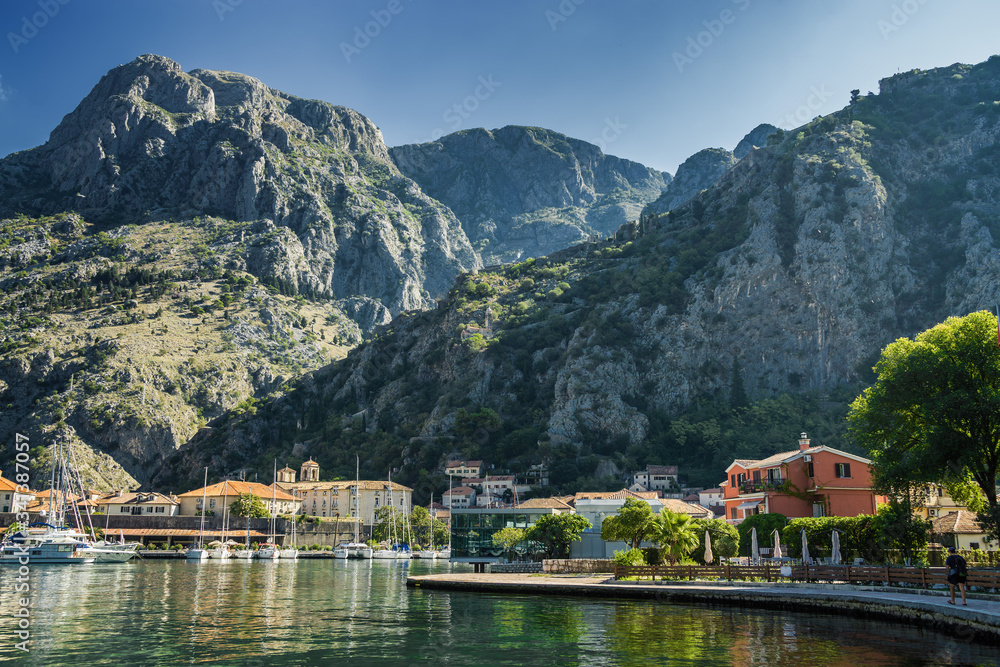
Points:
[[577, 565], [515, 568]]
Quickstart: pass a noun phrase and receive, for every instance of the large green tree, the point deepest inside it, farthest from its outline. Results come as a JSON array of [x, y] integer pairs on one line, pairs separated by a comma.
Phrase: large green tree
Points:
[[634, 523], [933, 414], [248, 505], [555, 532]]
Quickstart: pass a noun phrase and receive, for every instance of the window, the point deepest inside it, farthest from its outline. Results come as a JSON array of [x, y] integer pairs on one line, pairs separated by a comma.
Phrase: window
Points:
[[732, 513], [819, 510], [774, 473], [811, 473], [123, 510], [376, 501], [732, 482], [159, 510], [756, 475], [973, 545], [842, 469], [211, 504]]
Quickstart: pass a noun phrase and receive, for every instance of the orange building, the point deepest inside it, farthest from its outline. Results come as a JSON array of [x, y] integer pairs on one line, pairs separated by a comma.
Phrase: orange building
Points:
[[806, 482]]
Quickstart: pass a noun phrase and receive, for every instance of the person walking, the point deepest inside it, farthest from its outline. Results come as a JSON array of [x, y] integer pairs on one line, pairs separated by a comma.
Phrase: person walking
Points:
[[957, 574]]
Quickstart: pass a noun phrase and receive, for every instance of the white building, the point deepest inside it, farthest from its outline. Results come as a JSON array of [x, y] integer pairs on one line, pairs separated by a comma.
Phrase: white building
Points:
[[136, 503], [459, 497], [657, 478]]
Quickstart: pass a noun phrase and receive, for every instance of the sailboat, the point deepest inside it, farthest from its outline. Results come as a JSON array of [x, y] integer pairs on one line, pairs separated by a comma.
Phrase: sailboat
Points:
[[428, 554], [221, 549], [290, 552], [357, 548], [269, 550], [199, 552], [397, 549]]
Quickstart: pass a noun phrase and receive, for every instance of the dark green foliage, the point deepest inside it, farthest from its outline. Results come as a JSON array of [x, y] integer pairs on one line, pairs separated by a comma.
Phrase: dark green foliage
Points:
[[556, 532], [724, 536], [765, 524]]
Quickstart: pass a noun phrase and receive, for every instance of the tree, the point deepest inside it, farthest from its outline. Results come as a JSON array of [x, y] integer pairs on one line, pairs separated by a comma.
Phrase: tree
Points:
[[765, 525], [555, 532], [725, 539], [855, 95], [675, 533], [933, 414], [508, 538], [248, 505], [634, 522]]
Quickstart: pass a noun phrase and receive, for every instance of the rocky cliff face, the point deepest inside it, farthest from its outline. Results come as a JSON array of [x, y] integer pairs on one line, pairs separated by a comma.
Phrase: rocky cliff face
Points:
[[151, 142], [524, 191], [793, 271], [703, 169]]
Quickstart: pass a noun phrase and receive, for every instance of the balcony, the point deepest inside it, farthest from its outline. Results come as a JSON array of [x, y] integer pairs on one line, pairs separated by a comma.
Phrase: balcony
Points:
[[760, 486]]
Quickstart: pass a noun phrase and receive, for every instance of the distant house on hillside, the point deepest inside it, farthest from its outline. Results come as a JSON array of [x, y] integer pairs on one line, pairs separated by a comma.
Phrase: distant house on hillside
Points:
[[656, 478], [460, 496], [463, 468]]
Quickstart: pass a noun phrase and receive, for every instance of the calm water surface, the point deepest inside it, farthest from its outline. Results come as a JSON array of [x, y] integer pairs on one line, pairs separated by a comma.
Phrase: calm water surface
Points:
[[317, 612]]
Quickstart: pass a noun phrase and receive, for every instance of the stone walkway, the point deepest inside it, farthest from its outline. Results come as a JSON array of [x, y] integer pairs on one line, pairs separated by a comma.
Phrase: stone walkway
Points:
[[926, 607]]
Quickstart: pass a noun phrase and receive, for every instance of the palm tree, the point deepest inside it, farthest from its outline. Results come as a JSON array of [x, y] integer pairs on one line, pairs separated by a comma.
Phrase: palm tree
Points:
[[676, 534]]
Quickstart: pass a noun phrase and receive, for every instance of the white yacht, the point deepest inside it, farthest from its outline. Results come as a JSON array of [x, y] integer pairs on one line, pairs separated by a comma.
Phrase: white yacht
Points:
[[50, 546]]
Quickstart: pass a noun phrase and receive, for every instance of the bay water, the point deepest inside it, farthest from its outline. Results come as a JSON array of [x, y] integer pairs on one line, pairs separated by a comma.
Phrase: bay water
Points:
[[329, 612]]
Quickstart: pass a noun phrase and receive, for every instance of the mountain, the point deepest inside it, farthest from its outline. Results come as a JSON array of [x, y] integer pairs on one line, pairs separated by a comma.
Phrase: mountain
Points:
[[523, 192], [186, 244], [151, 142], [781, 281], [702, 170]]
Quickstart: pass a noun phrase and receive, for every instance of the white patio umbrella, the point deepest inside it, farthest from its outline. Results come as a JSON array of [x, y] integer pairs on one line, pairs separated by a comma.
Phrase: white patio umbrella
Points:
[[805, 547], [754, 551], [777, 545], [835, 556], [708, 549]]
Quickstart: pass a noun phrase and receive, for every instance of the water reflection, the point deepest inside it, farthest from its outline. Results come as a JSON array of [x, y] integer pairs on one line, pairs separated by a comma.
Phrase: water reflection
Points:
[[314, 612]]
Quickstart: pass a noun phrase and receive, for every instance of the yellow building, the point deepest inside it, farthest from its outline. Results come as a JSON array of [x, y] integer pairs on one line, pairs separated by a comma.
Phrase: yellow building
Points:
[[342, 498]]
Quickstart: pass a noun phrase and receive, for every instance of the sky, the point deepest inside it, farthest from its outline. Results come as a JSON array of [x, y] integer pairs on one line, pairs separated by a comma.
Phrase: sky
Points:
[[650, 81]]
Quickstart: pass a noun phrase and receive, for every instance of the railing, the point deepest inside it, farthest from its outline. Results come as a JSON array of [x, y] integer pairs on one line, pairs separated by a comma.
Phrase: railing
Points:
[[761, 485], [849, 574]]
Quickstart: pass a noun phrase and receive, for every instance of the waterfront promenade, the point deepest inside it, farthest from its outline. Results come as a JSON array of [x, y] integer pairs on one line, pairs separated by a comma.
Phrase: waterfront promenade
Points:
[[980, 620]]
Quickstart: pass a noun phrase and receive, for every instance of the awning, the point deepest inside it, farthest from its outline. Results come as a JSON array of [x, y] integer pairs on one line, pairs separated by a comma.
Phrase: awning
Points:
[[749, 505]]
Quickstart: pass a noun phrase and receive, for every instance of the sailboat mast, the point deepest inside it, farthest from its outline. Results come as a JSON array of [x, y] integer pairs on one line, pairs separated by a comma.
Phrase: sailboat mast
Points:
[[357, 483], [204, 496], [274, 484]]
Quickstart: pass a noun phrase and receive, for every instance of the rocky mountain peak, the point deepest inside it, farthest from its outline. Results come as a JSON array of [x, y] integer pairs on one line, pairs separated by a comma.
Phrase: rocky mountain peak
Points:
[[527, 191]]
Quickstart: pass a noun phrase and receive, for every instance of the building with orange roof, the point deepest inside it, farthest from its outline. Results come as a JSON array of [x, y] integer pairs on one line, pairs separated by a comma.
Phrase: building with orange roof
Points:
[[223, 494], [136, 503], [805, 482], [346, 499], [11, 500]]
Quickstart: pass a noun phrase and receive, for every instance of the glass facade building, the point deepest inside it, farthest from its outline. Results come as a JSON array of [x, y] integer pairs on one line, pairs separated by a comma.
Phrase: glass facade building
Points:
[[472, 530]]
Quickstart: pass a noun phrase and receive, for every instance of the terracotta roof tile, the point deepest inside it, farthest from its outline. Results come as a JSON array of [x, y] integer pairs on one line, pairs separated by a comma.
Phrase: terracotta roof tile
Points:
[[231, 488], [961, 522], [545, 503]]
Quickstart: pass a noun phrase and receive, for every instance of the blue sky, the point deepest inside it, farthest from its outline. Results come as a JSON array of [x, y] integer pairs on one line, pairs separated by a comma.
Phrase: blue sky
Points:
[[652, 81]]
